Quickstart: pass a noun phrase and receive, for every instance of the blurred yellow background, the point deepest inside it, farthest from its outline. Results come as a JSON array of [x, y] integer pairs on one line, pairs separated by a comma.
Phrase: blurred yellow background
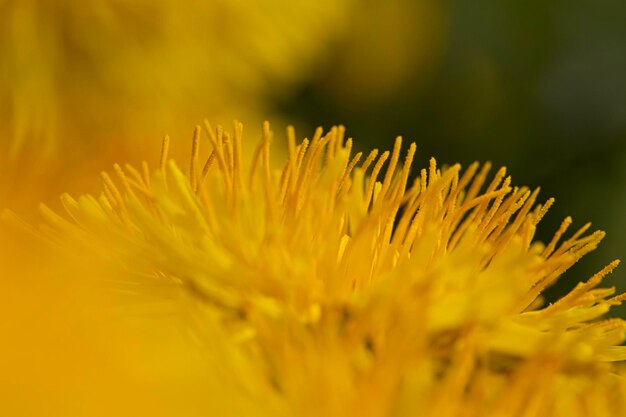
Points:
[[86, 84]]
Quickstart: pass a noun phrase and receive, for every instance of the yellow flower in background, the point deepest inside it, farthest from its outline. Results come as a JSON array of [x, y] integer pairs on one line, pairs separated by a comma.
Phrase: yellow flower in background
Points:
[[85, 84], [398, 43], [333, 285]]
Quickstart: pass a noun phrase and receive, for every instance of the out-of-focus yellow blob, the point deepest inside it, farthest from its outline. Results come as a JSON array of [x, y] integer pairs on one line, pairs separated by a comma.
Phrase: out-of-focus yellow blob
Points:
[[69, 348], [87, 83]]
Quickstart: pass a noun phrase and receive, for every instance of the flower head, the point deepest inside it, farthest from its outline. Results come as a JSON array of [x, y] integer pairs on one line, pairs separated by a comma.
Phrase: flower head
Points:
[[340, 284]]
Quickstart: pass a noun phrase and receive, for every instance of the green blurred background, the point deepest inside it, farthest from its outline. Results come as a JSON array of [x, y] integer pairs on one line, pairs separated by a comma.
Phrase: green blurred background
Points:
[[536, 86]]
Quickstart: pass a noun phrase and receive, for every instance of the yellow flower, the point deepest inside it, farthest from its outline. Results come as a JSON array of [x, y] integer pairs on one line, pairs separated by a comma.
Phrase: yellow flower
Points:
[[85, 84], [335, 286]]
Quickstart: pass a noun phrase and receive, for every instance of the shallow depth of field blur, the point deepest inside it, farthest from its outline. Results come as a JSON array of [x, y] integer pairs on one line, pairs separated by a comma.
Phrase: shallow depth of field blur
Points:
[[538, 87]]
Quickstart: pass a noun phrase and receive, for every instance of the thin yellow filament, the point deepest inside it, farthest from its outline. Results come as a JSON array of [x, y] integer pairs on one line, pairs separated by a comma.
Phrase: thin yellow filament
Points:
[[193, 161], [165, 148]]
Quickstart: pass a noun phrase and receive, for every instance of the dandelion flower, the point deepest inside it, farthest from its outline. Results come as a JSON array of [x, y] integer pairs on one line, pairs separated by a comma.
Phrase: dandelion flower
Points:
[[339, 284]]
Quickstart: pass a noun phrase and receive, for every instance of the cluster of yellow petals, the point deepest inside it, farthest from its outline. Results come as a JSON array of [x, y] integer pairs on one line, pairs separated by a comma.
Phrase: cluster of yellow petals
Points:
[[338, 285]]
